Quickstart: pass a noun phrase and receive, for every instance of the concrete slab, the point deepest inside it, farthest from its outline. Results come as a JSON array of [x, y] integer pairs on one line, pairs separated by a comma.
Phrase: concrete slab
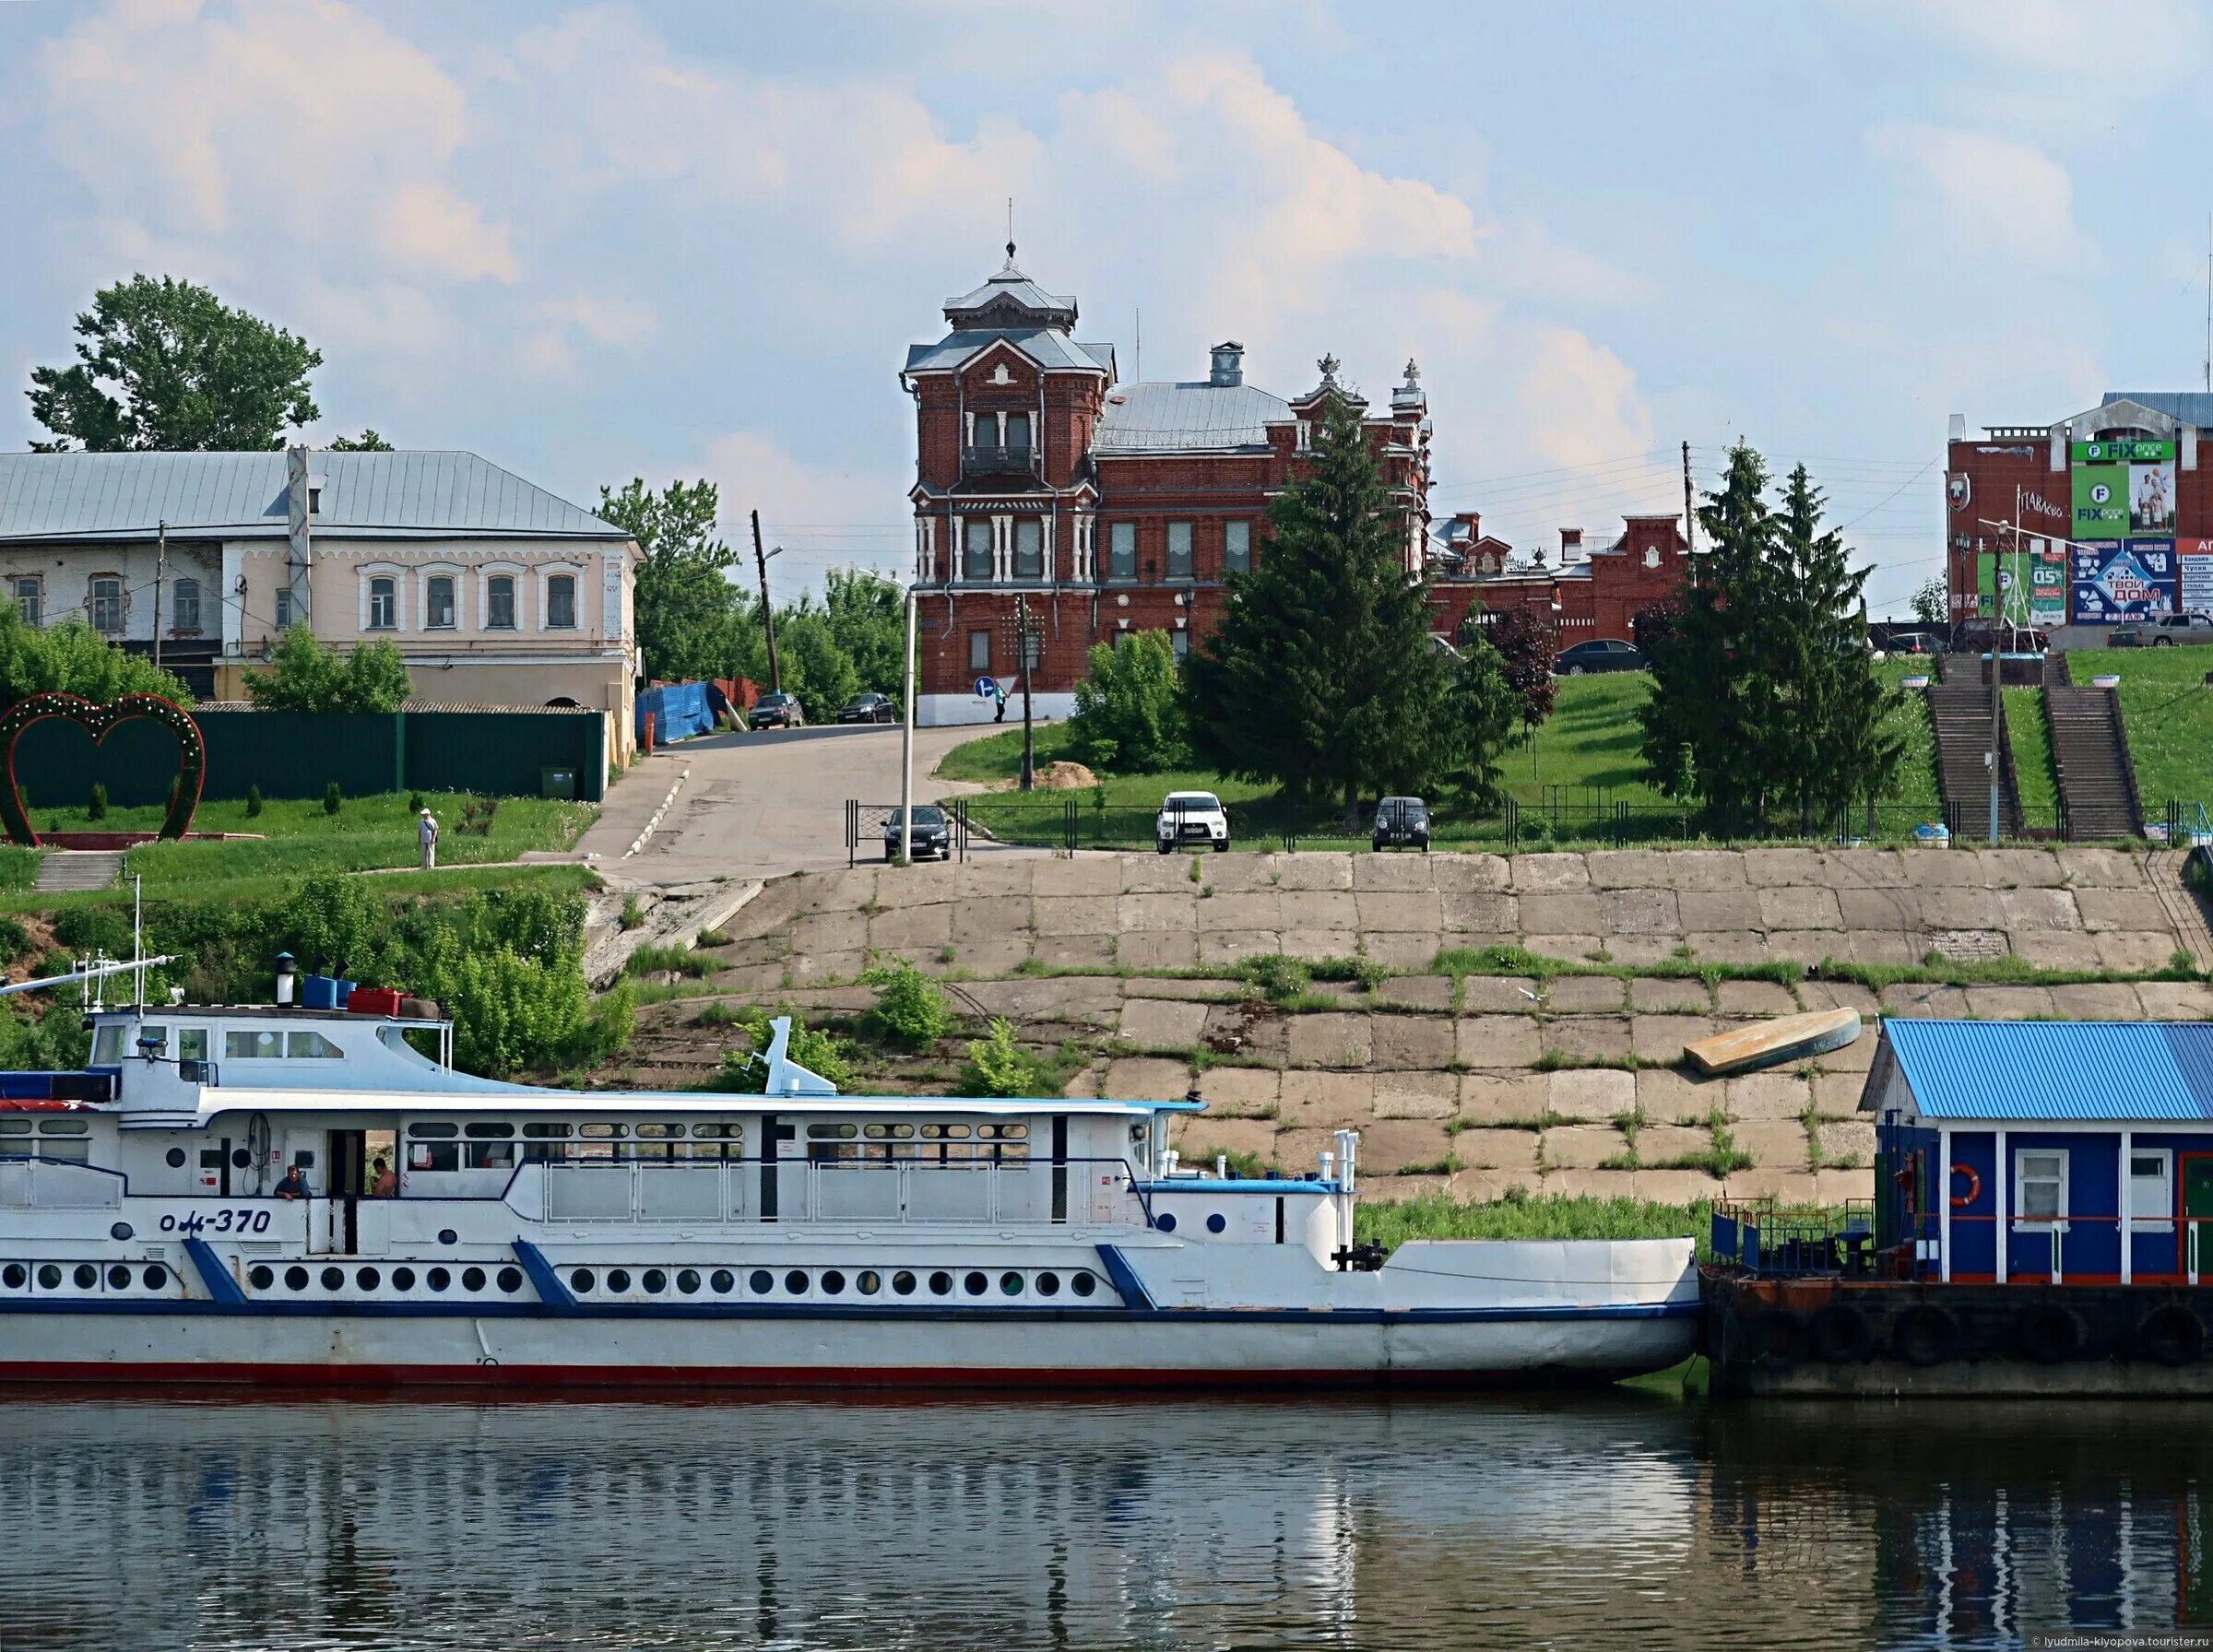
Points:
[[1490, 911], [1075, 952], [894, 927], [2056, 950], [1459, 873], [1084, 877], [2026, 909], [1727, 946], [1704, 870], [1383, 911], [1673, 1186], [1241, 1091], [1317, 909], [1331, 1040], [1549, 872], [1799, 909], [1590, 1093], [2128, 951], [1735, 908], [1199, 1137], [1661, 1146], [1586, 1037], [2101, 868], [1883, 909], [2018, 869], [1177, 986], [1661, 1037], [1221, 948], [1321, 943], [1571, 912], [1754, 999], [1846, 1138], [2009, 1003], [1405, 1146], [1666, 1096], [1404, 949], [1396, 871], [1492, 1098], [2175, 1001], [1586, 995], [1411, 1043], [1497, 993], [1780, 868], [1773, 1143], [1156, 1023], [1583, 1147], [1327, 1101], [1075, 914], [1670, 996], [1177, 910], [1638, 911], [1837, 1095], [1573, 947], [1627, 869], [1146, 1078], [1496, 1150], [2105, 909], [1417, 1095], [1417, 992], [1313, 871], [1593, 1184], [990, 917], [1157, 950], [1769, 1096]]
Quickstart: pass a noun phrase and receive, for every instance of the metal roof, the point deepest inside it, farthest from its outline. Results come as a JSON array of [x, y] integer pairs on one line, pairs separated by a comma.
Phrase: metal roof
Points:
[[94, 497], [1048, 346], [2076, 1070], [1170, 418], [2188, 407]]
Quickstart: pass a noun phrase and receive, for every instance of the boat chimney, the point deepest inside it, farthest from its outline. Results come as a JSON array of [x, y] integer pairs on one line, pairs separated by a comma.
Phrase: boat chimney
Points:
[[287, 977]]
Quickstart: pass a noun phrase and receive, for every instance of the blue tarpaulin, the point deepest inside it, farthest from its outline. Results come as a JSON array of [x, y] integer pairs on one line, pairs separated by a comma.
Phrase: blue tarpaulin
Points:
[[679, 711]]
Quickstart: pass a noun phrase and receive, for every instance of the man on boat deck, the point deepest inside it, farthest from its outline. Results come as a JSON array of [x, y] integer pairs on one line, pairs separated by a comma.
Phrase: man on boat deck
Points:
[[294, 1185], [386, 1184], [426, 834]]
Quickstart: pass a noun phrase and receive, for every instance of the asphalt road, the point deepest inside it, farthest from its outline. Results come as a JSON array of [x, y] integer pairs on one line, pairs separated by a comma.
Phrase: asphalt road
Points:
[[760, 805]]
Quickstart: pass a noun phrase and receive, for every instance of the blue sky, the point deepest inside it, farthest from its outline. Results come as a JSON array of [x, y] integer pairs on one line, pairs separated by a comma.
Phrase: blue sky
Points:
[[598, 241]]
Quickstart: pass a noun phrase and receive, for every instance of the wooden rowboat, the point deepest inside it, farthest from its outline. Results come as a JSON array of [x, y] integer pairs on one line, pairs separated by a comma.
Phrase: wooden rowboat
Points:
[[1769, 1043]]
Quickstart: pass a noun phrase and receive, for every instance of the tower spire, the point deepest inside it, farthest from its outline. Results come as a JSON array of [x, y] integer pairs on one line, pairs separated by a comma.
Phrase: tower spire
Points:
[[1009, 232]]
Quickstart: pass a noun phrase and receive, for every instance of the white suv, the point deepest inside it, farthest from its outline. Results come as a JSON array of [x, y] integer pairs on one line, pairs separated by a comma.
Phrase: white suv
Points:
[[1191, 818]]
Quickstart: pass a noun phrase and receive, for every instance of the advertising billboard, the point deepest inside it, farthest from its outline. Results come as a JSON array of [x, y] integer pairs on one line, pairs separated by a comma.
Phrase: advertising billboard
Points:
[[2027, 587], [2131, 581], [2194, 576], [2123, 489]]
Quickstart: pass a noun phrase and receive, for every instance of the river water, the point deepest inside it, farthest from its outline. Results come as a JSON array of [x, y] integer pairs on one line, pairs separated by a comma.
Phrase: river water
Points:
[[1617, 1520]]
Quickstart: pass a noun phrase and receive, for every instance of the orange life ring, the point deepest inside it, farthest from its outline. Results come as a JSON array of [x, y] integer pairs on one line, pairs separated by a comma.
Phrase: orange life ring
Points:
[[1974, 1187]]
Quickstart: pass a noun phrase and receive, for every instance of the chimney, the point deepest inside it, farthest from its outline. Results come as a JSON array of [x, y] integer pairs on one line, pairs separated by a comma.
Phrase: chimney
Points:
[[1571, 546], [1959, 430], [1228, 364]]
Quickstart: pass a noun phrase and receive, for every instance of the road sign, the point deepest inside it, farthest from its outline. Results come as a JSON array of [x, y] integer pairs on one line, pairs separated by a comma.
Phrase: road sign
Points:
[[987, 687]]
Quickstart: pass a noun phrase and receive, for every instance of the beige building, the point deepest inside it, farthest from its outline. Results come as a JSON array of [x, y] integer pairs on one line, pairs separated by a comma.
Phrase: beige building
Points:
[[497, 592]]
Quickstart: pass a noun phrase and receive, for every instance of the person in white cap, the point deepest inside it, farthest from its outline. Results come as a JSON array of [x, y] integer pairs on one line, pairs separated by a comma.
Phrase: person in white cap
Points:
[[426, 834]]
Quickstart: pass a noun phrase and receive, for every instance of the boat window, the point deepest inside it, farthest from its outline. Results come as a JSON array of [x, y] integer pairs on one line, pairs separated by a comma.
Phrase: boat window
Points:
[[1002, 1132], [107, 1044], [658, 1132], [945, 1132], [491, 1155], [831, 1132], [65, 1126], [602, 1132], [2040, 1177], [490, 1132], [545, 1132], [433, 1155], [252, 1043], [716, 1131], [890, 1132], [153, 1041], [439, 1132], [2151, 1190], [303, 1045], [192, 1043]]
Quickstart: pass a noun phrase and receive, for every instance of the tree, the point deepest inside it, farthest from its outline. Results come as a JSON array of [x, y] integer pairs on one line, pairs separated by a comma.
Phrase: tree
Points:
[[368, 441], [868, 616], [1320, 676], [1485, 706], [1128, 713], [72, 656], [688, 612], [816, 669], [308, 676], [1527, 643], [165, 365], [1931, 603]]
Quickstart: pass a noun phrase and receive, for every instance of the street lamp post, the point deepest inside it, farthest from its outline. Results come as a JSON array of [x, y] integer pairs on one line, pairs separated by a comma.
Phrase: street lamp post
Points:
[[907, 744], [1028, 643]]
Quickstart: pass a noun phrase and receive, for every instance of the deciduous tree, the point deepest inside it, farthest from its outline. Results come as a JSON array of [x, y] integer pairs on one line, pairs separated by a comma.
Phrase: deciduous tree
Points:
[[308, 676], [70, 656], [1130, 714], [688, 609], [1528, 642]]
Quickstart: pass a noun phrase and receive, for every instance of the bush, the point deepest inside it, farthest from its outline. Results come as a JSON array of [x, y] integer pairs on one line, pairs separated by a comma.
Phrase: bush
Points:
[[511, 1013], [253, 801], [910, 1010], [415, 803], [997, 1065], [308, 676], [15, 940], [332, 797], [744, 1069], [85, 930], [1128, 715], [97, 809]]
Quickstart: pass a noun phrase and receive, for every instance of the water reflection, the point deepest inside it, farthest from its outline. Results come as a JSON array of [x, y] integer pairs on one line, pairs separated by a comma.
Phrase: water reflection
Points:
[[1601, 1522]]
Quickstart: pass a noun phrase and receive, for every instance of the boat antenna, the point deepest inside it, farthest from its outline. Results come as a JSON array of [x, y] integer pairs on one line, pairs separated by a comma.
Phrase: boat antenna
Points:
[[90, 971], [138, 939]]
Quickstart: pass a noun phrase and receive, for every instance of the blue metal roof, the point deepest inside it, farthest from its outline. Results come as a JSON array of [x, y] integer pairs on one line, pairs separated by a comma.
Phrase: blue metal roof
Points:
[[2077, 1070], [56, 498], [2186, 406]]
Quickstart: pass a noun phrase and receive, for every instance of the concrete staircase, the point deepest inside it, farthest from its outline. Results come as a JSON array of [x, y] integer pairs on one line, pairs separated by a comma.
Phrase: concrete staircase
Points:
[[65, 869], [1959, 716], [2089, 755]]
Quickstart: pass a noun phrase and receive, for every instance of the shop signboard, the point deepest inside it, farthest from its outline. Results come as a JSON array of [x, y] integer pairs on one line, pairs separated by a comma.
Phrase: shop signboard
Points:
[[2134, 579], [2123, 489], [2025, 587], [2194, 576]]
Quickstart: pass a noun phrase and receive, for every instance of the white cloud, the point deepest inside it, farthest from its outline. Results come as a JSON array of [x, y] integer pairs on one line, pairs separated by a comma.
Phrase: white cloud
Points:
[[425, 223], [2159, 42], [1988, 195], [550, 347]]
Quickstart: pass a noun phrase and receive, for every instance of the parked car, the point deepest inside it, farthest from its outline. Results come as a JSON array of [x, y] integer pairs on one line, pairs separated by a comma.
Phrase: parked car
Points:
[[1916, 643], [1402, 820], [1601, 653], [2165, 632], [868, 708], [776, 711], [1191, 818], [931, 835], [1973, 636]]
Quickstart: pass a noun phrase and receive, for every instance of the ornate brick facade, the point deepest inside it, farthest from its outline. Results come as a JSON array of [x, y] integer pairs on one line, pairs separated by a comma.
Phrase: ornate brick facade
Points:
[[1593, 591]]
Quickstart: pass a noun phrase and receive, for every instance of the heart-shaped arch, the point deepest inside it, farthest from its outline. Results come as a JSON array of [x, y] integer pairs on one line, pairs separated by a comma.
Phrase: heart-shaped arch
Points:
[[99, 721]]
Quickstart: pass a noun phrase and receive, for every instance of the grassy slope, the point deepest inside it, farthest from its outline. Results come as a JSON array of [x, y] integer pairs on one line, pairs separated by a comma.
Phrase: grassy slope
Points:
[[2031, 738], [2168, 706]]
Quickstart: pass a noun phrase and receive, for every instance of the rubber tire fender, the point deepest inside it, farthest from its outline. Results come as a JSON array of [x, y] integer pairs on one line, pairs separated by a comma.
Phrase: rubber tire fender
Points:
[[1924, 1336], [2170, 1335], [2048, 1333], [1841, 1334], [1777, 1339]]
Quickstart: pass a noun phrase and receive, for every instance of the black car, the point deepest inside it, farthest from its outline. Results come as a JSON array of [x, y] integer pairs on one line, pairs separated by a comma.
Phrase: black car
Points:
[[931, 834], [868, 708], [1402, 820], [1601, 653], [776, 711]]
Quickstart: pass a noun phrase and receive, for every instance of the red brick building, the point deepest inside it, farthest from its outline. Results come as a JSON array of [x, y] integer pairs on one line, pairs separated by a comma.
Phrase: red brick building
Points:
[[1109, 508], [1590, 591]]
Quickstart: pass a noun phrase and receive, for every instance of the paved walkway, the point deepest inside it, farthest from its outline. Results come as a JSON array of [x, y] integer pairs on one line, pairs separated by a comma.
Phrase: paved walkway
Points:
[[761, 805]]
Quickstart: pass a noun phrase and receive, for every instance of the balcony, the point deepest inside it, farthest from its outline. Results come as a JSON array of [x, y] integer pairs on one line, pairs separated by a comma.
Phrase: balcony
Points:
[[999, 460]]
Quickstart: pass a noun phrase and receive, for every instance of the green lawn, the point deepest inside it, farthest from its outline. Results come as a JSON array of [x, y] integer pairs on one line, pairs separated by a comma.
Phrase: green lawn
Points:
[[2031, 738], [2168, 706], [297, 838], [1917, 775]]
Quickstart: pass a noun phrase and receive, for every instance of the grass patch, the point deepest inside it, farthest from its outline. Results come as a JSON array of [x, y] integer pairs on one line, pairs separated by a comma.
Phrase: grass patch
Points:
[[1527, 1216], [2168, 707], [2031, 738], [668, 960]]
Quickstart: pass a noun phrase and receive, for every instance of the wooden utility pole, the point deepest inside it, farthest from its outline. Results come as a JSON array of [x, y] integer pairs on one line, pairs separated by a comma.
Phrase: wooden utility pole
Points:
[[1690, 520], [1025, 646], [161, 573], [769, 616]]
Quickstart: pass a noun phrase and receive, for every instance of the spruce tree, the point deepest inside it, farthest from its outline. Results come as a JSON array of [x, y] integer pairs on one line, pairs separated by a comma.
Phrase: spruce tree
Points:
[[1322, 677]]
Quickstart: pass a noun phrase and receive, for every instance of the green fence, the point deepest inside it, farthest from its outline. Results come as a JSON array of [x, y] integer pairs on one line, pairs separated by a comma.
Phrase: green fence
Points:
[[298, 754]]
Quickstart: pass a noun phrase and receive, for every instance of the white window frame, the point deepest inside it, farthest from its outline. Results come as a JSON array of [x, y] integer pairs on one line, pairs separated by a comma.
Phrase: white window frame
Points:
[[2164, 1221], [1023, 524], [92, 602], [391, 595], [983, 635], [371, 571], [1006, 431], [546, 576], [2030, 1224], [1228, 530], [971, 549], [28, 591], [513, 571], [285, 617], [1190, 552], [1115, 530], [453, 576], [176, 609]]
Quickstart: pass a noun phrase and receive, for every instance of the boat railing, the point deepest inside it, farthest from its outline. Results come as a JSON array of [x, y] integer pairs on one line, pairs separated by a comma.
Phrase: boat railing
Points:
[[58, 1185], [792, 1190]]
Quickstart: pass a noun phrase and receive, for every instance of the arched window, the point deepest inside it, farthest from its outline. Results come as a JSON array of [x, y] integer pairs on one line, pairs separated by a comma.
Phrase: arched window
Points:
[[561, 602], [438, 605], [499, 602], [187, 605], [384, 603]]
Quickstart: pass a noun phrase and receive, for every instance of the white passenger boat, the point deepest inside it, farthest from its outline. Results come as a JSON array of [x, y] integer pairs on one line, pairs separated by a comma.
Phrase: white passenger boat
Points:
[[539, 1236]]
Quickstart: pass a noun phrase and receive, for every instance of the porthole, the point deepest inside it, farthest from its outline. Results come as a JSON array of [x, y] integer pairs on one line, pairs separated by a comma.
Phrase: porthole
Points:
[[157, 1278], [834, 1282], [721, 1281], [259, 1277], [437, 1278], [447, 1236], [941, 1284], [1083, 1284], [581, 1280], [868, 1282], [795, 1282], [510, 1280], [368, 1278], [472, 1279], [1010, 1283], [50, 1277], [617, 1279], [14, 1275], [403, 1279], [333, 1278], [1165, 1221], [763, 1282], [120, 1231], [976, 1285], [687, 1280], [175, 1158], [1216, 1222], [85, 1275], [240, 1158], [903, 1283], [655, 1280], [119, 1277], [295, 1278], [1048, 1284]]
